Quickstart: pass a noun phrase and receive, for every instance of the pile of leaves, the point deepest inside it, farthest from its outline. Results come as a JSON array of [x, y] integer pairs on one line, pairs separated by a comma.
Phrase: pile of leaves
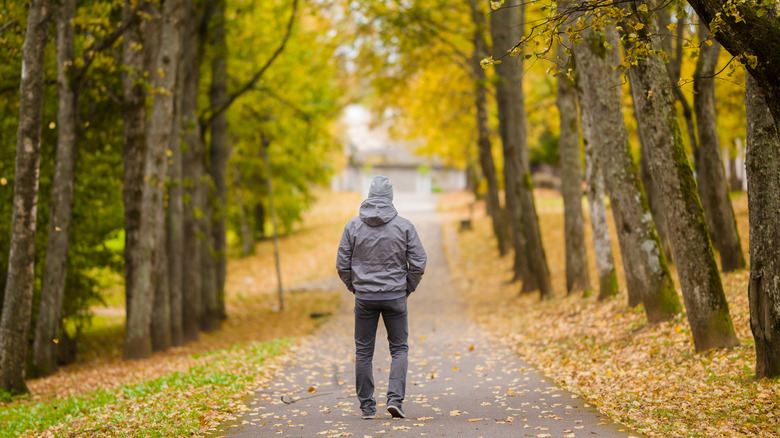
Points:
[[646, 376]]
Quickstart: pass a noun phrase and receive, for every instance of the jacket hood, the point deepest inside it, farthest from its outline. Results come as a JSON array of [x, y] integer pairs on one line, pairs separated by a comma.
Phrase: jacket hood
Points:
[[377, 211]]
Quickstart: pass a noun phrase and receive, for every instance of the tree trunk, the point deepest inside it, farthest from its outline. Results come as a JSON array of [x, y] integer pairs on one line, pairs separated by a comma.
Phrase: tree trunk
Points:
[[175, 214], [17, 301], [654, 201], [509, 98], [137, 333], [705, 301], [259, 220], [602, 243], [483, 135], [737, 31], [763, 173], [209, 317], [647, 275], [577, 278], [161, 307], [654, 198], [134, 116], [712, 184], [220, 149], [247, 237], [673, 69], [540, 273], [194, 172], [61, 205], [472, 175], [673, 47], [735, 185]]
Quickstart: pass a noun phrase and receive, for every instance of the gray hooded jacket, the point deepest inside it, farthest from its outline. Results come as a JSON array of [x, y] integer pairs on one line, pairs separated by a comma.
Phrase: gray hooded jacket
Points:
[[380, 255]]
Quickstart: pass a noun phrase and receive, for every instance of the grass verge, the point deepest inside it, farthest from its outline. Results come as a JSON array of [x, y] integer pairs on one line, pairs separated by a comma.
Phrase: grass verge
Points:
[[176, 404]]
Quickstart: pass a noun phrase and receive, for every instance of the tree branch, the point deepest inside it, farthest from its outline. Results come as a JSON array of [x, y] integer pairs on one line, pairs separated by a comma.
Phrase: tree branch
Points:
[[7, 25], [209, 116], [107, 42]]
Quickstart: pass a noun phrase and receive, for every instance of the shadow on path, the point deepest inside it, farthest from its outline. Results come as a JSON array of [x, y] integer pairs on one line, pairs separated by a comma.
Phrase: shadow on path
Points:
[[461, 381]]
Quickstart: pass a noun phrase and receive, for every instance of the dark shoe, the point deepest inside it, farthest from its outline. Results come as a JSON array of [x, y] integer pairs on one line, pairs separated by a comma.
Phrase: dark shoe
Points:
[[370, 415], [396, 411]]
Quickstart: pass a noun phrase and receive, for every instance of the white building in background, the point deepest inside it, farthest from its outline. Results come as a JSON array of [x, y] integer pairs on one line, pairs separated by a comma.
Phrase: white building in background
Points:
[[371, 151]]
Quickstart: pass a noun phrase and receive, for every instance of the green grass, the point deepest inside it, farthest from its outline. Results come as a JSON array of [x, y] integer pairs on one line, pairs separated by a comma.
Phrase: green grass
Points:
[[171, 405]]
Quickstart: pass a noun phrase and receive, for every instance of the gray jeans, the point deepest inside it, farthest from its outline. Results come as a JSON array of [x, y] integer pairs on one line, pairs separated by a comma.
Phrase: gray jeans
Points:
[[394, 315]]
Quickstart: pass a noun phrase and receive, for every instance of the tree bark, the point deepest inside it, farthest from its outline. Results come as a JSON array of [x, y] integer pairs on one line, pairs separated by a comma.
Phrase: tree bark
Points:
[[705, 301], [483, 135], [673, 69], [220, 149], [247, 237], [209, 317], [175, 213], [259, 220], [160, 327], [61, 205], [763, 176], [17, 301], [509, 99], [134, 115], [602, 243], [577, 278], [712, 185], [763, 173], [137, 333], [194, 172], [739, 37], [654, 201], [673, 47], [647, 274], [735, 185]]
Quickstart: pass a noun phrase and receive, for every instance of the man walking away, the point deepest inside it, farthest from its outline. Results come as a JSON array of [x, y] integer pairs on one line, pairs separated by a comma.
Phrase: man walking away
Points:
[[381, 260]]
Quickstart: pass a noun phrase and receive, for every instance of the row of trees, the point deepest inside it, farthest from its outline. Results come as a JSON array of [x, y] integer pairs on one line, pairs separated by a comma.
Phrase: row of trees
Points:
[[154, 77], [662, 209]]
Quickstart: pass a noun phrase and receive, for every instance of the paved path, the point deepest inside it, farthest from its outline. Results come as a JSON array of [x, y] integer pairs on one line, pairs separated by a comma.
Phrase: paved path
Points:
[[461, 382]]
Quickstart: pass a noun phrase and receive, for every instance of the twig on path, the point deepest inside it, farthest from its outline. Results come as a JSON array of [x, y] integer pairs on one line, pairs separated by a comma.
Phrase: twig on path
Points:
[[290, 400]]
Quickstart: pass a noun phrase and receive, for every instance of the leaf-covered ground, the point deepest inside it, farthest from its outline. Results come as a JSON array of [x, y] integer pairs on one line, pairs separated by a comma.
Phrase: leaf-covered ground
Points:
[[647, 376], [189, 389]]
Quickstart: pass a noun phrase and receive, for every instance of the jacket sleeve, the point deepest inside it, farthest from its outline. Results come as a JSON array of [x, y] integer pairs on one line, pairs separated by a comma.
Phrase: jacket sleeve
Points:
[[416, 258], [344, 259]]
